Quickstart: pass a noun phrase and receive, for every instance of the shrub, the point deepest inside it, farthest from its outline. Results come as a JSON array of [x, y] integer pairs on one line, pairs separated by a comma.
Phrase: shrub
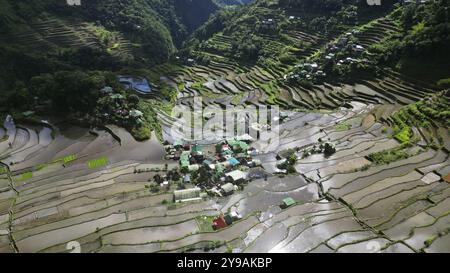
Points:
[[444, 83]]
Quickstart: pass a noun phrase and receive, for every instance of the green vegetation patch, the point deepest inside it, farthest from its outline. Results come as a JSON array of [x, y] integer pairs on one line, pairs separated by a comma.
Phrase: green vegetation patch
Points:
[[142, 132], [3, 170], [388, 156], [404, 135], [205, 223], [99, 162], [69, 158], [342, 127], [26, 176], [237, 99]]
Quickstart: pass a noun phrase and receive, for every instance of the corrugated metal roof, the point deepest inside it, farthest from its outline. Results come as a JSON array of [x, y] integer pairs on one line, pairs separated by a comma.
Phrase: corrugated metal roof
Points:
[[288, 201], [187, 194], [229, 187]]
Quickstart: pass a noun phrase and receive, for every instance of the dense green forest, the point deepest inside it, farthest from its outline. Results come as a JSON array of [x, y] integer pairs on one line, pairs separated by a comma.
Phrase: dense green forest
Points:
[[96, 35], [422, 47]]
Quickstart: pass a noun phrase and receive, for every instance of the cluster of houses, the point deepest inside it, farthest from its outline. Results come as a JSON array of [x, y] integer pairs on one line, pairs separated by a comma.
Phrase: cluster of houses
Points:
[[342, 52], [217, 168], [224, 221], [185, 60], [306, 71], [118, 107], [269, 24], [346, 51], [272, 24]]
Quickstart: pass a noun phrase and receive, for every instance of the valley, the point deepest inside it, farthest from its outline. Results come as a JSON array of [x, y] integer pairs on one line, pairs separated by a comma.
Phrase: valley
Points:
[[355, 160]]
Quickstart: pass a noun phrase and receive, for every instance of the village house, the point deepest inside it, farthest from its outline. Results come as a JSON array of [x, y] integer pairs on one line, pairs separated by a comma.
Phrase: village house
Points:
[[235, 215], [187, 195], [236, 176], [269, 24], [238, 145], [227, 189], [287, 202], [219, 223]]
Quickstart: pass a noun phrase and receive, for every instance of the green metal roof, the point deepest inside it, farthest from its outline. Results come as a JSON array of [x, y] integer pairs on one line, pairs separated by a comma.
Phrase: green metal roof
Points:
[[184, 159], [227, 152], [28, 113], [236, 143], [288, 201], [178, 143], [185, 163], [197, 149]]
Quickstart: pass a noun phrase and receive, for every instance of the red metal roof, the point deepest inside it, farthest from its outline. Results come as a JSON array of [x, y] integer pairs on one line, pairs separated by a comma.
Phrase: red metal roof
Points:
[[219, 223]]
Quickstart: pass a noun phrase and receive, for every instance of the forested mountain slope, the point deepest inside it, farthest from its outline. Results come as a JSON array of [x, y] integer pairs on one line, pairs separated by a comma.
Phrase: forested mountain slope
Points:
[[266, 32], [104, 34]]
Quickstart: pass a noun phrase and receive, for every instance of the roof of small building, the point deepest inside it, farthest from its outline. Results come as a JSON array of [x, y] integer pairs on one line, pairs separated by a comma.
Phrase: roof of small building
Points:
[[28, 113], [237, 175], [228, 219], [227, 152], [187, 194], [194, 167], [220, 222], [257, 162], [233, 161], [187, 178], [178, 143], [136, 113], [245, 137], [288, 201], [227, 188], [197, 149], [237, 143], [184, 161], [208, 161]]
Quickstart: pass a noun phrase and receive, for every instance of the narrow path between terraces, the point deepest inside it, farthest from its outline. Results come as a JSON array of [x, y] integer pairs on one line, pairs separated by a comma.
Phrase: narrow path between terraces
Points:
[[11, 212], [331, 197]]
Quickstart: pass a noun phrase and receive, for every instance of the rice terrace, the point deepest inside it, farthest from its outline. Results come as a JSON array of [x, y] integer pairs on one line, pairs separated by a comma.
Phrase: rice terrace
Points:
[[212, 126]]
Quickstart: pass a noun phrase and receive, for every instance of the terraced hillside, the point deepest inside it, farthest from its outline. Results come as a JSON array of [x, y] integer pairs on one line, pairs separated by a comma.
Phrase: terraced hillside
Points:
[[53, 34], [384, 187]]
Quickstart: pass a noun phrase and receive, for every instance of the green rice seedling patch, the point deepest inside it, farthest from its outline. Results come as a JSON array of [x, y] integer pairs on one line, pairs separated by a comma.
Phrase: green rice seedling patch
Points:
[[99, 162], [26, 176], [69, 158], [404, 135]]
